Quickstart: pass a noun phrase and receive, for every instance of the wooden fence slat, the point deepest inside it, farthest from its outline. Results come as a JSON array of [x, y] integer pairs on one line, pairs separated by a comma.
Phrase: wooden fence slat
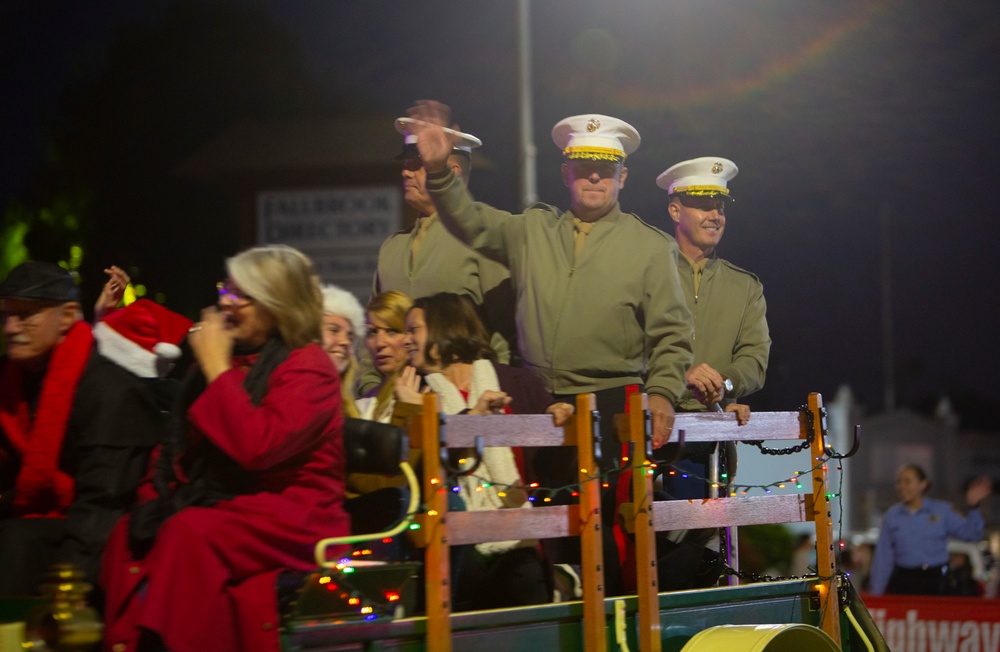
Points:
[[506, 430], [722, 426], [535, 523], [723, 512]]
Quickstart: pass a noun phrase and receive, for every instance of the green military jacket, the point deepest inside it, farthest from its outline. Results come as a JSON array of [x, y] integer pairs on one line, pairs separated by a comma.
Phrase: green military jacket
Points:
[[444, 264], [730, 325], [615, 317]]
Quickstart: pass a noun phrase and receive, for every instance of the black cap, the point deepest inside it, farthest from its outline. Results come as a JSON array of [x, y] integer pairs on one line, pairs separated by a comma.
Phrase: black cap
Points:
[[409, 151], [40, 282]]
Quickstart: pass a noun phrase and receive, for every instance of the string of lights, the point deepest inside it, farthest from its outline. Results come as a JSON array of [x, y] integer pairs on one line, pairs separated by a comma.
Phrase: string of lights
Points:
[[546, 494], [539, 494]]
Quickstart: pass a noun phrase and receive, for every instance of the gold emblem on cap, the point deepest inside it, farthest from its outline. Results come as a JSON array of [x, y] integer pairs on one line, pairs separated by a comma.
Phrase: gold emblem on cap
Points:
[[716, 167], [593, 125]]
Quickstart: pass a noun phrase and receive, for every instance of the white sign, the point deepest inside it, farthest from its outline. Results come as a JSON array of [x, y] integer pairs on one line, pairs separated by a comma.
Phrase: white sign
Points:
[[340, 229]]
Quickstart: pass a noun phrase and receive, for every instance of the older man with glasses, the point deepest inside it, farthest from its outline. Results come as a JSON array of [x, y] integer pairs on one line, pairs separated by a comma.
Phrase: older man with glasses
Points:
[[80, 411]]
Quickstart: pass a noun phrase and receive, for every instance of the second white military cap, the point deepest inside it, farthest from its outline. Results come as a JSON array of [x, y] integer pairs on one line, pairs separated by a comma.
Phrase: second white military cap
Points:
[[706, 176], [461, 142]]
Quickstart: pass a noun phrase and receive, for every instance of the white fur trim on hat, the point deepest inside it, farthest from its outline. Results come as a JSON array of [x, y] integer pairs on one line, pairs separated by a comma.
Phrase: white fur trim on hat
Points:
[[167, 350], [338, 301], [124, 352]]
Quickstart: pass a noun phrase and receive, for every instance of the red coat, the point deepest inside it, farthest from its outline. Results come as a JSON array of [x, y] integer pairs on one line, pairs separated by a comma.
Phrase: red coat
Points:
[[207, 582]]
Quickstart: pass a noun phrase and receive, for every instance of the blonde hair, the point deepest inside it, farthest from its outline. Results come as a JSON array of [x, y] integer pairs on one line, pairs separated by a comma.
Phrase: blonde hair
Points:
[[347, 380], [339, 302], [391, 307], [281, 280]]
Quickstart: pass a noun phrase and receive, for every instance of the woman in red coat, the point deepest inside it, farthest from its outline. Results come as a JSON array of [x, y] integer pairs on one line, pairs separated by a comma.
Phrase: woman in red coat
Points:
[[249, 478]]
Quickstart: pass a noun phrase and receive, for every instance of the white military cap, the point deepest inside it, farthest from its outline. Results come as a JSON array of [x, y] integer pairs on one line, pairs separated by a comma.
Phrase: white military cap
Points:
[[705, 177], [594, 136], [462, 143]]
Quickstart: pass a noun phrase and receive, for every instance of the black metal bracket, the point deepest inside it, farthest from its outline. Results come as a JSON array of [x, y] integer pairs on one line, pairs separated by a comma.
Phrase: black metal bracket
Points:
[[595, 425], [834, 455], [446, 459]]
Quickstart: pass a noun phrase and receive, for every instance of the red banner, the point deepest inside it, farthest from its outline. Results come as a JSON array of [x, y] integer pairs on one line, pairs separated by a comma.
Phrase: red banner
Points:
[[911, 623]]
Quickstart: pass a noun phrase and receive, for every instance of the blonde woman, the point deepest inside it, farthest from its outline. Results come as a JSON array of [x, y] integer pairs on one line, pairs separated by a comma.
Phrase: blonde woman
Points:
[[385, 332], [343, 325]]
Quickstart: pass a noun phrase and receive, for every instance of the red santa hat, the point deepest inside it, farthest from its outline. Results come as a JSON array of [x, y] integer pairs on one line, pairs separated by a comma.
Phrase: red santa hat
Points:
[[142, 337]]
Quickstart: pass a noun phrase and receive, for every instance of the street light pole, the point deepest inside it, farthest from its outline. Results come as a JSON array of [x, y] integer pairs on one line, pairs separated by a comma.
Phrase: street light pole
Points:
[[528, 152], [888, 354]]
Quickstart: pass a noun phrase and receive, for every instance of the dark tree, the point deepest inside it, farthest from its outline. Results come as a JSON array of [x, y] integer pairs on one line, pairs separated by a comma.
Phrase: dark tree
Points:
[[168, 87]]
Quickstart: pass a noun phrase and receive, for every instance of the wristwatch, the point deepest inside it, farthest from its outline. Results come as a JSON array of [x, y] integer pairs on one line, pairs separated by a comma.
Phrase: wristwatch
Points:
[[727, 384]]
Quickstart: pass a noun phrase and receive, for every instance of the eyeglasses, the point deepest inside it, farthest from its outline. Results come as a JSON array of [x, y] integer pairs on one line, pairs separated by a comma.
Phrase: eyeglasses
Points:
[[412, 163], [27, 312], [229, 293], [585, 167], [703, 202]]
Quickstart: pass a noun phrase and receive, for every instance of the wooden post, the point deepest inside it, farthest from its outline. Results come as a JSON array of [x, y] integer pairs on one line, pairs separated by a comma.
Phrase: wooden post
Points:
[[826, 565], [437, 565], [646, 575], [591, 545]]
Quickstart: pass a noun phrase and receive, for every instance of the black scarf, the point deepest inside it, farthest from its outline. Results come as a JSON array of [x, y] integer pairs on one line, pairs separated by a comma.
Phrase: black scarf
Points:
[[212, 475]]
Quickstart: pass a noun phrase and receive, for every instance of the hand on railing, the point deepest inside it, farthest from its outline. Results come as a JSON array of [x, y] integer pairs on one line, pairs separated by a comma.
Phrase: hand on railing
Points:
[[742, 412], [561, 412]]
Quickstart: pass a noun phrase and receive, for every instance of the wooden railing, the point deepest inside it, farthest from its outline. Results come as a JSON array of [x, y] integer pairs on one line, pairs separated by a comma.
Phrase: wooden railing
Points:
[[440, 529], [645, 517], [434, 433]]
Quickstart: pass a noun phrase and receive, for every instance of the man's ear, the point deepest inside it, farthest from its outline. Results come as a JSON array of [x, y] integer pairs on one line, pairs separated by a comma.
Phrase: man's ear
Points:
[[565, 175], [69, 314], [622, 177], [674, 211]]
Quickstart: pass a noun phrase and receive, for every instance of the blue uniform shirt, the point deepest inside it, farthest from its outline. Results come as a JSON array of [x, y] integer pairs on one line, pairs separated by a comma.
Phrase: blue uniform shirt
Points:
[[913, 539]]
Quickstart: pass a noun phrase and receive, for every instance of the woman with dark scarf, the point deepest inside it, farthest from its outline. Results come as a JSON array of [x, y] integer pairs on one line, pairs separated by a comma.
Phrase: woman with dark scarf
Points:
[[250, 476]]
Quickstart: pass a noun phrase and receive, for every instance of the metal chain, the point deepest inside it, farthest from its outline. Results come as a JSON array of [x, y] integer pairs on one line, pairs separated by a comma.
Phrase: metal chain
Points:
[[843, 591], [798, 447], [754, 577]]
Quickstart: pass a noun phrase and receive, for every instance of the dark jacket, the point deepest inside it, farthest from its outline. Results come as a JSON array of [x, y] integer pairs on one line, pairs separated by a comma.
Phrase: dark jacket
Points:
[[116, 420]]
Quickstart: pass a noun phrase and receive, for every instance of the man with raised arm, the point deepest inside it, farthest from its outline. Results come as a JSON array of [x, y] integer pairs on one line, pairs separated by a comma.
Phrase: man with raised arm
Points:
[[599, 304]]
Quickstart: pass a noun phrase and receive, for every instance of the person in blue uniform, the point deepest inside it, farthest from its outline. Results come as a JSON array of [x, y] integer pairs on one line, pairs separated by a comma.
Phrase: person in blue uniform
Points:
[[911, 556]]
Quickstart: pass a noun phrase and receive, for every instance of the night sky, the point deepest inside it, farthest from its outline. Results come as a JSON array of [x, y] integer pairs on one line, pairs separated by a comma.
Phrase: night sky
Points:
[[854, 124]]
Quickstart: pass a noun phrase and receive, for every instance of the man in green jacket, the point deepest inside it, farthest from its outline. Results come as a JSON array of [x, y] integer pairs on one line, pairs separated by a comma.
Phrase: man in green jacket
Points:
[[599, 304], [731, 345], [425, 259], [731, 340]]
